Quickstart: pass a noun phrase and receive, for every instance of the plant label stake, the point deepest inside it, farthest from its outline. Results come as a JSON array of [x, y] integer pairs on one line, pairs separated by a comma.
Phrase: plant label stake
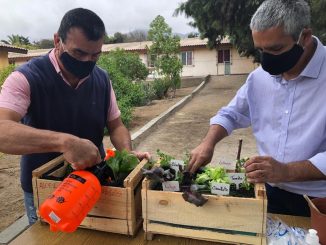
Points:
[[176, 165], [220, 189], [237, 178], [171, 186]]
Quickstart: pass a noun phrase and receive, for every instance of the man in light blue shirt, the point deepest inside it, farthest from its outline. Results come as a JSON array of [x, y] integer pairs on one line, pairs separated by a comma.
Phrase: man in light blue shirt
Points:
[[284, 103]]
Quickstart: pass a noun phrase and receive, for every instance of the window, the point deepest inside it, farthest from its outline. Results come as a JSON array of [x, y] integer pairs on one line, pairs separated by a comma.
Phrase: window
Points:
[[151, 60], [223, 56], [186, 58]]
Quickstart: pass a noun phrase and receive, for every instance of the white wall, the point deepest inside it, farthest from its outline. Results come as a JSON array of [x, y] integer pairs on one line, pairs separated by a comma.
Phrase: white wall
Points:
[[239, 65], [143, 58], [203, 63]]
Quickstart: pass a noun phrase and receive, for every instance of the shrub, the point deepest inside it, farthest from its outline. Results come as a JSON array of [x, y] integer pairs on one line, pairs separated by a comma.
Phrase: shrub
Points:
[[149, 91], [126, 73], [5, 72], [143, 93], [128, 64], [138, 95], [126, 111], [161, 87]]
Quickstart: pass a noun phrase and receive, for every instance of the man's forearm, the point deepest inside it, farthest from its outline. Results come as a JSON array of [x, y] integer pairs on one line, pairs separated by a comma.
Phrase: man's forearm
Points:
[[303, 171], [19, 139], [215, 134], [120, 138]]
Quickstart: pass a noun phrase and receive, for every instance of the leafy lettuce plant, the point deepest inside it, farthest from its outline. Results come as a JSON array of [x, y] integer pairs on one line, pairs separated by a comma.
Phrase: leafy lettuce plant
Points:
[[212, 174], [121, 163]]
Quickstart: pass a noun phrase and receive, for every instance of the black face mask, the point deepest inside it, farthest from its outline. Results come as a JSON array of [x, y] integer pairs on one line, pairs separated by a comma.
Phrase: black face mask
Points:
[[76, 67], [278, 64]]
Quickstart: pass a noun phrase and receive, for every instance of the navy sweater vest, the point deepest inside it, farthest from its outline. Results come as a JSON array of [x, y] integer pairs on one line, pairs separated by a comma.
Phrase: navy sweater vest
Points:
[[58, 107]]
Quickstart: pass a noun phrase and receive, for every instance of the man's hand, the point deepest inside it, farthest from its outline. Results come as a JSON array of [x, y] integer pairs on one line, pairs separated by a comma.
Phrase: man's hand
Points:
[[141, 155], [203, 153], [262, 169], [200, 156], [81, 153]]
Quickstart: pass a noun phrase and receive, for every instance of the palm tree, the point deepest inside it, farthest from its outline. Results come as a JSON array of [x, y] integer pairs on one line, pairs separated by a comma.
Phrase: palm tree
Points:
[[17, 40]]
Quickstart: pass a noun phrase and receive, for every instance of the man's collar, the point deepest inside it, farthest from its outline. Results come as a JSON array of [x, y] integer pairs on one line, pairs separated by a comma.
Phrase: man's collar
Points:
[[55, 63], [313, 67]]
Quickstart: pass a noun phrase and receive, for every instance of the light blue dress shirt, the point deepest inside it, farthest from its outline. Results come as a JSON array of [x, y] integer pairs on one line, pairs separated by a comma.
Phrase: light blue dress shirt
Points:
[[288, 118]]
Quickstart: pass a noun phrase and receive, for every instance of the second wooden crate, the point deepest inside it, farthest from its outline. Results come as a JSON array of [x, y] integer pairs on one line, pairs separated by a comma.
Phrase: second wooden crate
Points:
[[222, 219]]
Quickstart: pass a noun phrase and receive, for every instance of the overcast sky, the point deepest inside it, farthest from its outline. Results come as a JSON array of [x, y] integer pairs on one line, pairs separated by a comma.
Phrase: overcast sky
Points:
[[39, 19]]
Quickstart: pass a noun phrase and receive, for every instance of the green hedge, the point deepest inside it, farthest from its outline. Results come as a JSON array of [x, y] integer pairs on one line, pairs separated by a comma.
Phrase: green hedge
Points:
[[4, 73], [127, 73]]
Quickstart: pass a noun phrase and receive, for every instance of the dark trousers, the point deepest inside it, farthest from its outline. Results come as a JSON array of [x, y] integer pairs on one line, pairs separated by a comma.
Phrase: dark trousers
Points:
[[284, 202]]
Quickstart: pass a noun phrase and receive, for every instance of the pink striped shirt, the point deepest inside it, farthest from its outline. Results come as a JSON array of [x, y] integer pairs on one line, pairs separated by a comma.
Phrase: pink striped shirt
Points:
[[15, 92]]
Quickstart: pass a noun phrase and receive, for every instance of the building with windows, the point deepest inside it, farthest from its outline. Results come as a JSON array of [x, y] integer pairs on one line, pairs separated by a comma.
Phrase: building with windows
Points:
[[198, 60], [196, 57]]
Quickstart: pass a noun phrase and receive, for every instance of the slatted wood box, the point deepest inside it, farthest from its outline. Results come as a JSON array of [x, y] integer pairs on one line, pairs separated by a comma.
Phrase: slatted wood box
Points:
[[222, 219], [118, 209]]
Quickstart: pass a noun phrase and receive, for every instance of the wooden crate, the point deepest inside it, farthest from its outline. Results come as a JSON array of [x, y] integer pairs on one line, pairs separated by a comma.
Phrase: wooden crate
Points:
[[118, 209], [222, 219]]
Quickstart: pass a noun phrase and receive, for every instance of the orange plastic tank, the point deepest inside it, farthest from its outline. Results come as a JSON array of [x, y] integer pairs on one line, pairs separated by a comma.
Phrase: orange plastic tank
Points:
[[69, 204]]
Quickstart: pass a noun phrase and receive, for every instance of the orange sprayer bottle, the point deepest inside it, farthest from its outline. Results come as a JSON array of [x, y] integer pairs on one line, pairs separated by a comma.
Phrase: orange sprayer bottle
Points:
[[69, 204]]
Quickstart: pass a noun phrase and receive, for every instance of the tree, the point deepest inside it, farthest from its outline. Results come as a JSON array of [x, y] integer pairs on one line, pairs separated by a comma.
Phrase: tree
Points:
[[126, 73], [117, 37], [193, 34], [18, 40], [318, 18], [165, 47], [44, 44], [108, 40], [216, 19], [136, 36]]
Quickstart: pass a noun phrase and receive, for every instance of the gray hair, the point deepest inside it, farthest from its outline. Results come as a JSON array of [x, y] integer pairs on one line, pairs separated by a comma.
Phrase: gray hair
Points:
[[293, 15]]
